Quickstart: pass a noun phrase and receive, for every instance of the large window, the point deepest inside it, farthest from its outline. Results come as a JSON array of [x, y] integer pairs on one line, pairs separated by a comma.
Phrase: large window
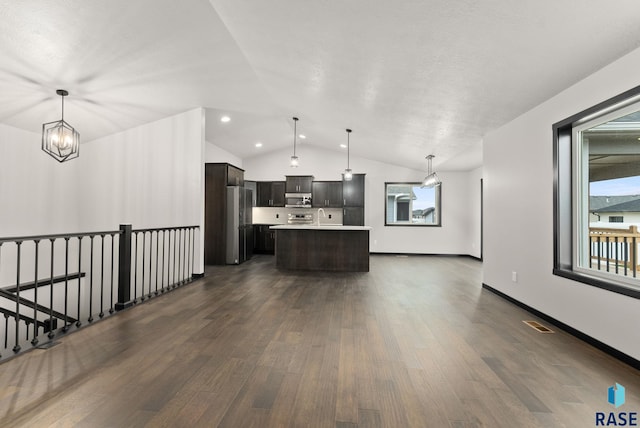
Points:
[[597, 195], [409, 204]]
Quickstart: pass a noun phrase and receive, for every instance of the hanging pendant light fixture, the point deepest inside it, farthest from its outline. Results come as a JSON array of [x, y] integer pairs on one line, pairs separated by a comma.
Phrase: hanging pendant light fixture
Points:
[[348, 174], [431, 179], [294, 158], [59, 139]]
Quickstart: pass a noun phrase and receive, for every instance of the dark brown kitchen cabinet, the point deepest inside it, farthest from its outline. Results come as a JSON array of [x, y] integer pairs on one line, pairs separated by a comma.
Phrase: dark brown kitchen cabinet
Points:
[[235, 176], [299, 184], [270, 193], [217, 176], [353, 216], [353, 201], [264, 239], [327, 194]]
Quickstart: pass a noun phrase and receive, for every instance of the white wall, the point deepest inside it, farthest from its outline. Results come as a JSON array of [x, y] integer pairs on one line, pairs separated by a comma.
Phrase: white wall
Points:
[[37, 194], [460, 199], [518, 180]]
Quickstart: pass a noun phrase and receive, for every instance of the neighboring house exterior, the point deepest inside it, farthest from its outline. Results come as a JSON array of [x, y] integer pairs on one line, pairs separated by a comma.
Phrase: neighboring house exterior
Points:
[[424, 216], [614, 209], [621, 212], [399, 203]]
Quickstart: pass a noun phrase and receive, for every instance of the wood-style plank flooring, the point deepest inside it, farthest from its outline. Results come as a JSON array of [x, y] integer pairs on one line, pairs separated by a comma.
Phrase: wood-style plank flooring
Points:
[[415, 342]]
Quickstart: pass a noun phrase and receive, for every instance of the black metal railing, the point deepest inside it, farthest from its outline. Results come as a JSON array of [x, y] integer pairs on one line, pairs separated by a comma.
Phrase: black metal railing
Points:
[[53, 284]]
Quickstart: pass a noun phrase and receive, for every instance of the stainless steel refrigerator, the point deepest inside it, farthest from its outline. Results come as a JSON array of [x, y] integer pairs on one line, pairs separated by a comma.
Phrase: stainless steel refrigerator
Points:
[[239, 225]]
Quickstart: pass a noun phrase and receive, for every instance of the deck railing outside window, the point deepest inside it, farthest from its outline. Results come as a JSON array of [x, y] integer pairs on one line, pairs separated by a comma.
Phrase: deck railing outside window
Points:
[[614, 250]]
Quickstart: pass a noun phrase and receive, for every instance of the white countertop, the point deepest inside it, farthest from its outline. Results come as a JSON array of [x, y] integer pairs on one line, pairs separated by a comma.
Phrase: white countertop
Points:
[[321, 227]]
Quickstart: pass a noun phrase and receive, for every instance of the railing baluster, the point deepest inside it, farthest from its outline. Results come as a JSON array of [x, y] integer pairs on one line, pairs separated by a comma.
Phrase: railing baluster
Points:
[[111, 310], [144, 250], [617, 258], [51, 333], [6, 331], [135, 270], [169, 263], [157, 260], [175, 260], [34, 341], [626, 255], [184, 255], [90, 319], [608, 255], [101, 275], [78, 322], [16, 346], [634, 252], [164, 244], [150, 260], [599, 252], [66, 284]]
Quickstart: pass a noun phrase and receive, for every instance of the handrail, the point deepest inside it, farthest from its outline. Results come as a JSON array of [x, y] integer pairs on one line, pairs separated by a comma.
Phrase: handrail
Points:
[[58, 235], [160, 229]]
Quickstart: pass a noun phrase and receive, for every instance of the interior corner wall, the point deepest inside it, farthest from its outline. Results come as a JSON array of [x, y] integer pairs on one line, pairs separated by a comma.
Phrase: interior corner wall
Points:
[[518, 215], [215, 154], [459, 211]]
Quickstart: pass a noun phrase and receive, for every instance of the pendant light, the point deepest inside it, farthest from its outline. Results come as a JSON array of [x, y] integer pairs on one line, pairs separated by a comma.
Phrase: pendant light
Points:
[[348, 174], [294, 158], [431, 179], [59, 139]]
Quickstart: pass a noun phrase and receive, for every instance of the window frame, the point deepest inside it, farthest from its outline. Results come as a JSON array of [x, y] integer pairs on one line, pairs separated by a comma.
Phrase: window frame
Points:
[[566, 219], [438, 207]]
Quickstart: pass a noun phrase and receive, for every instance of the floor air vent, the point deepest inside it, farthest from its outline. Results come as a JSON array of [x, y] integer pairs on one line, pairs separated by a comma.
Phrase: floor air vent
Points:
[[536, 325]]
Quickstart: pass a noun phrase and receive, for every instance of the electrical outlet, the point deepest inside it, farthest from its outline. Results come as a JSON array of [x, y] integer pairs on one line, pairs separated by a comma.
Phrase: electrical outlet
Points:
[[514, 276]]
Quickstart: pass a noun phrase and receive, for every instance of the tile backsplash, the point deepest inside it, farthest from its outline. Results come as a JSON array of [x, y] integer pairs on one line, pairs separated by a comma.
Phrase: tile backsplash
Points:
[[278, 215]]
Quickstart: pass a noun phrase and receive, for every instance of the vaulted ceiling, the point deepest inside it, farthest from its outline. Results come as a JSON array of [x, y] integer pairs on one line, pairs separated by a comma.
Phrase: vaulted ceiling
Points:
[[410, 77]]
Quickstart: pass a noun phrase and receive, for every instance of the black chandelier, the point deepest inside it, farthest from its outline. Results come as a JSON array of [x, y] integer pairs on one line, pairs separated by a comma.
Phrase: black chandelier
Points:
[[59, 139]]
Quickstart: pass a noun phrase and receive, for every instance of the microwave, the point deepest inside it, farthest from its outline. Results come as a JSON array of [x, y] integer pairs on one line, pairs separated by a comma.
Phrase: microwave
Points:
[[297, 200]]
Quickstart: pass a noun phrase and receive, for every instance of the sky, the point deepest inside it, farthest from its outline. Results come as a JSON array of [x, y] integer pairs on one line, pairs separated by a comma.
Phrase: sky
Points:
[[425, 198], [616, 187]]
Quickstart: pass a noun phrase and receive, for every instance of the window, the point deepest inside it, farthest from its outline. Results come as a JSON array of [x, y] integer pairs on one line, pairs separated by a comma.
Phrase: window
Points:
[[408, 204], [597, 195]]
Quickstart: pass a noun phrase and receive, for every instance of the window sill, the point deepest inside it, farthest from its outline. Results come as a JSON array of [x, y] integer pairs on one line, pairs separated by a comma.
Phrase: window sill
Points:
[[597, 282]]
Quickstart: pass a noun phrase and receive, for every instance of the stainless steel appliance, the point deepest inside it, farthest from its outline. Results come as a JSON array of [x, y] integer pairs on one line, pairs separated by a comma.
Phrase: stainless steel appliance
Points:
[[295, 218], [239, 225], [297, 200]]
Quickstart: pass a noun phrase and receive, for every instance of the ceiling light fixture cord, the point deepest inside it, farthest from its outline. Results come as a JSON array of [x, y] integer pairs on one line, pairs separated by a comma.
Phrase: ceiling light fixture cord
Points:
[[295, 133], [294, 159], [348, 174]]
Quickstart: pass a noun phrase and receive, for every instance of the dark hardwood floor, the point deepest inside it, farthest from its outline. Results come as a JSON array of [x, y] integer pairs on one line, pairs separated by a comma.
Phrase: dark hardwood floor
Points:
[[415, 342]]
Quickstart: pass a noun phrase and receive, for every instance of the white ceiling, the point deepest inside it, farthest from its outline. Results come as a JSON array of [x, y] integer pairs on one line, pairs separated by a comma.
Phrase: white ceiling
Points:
[[410, 77]]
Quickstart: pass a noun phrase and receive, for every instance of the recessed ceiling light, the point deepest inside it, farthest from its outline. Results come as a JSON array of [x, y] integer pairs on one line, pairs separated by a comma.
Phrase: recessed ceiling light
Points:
[[258, 145], [344, 146], [302, 136], [225, 119]]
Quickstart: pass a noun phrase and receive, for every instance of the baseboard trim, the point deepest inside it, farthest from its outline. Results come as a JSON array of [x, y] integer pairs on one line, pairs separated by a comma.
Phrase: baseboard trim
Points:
[[627, 359], [424, 254]]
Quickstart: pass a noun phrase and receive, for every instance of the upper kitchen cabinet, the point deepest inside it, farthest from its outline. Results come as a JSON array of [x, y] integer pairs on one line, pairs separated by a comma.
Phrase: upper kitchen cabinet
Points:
[[270, 193], [299, 184], [353, 199], [327, 194], [235, 176], [353, 191]]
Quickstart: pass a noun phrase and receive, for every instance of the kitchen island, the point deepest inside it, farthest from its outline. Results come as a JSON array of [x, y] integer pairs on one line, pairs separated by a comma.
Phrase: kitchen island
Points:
[[327, 247]]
